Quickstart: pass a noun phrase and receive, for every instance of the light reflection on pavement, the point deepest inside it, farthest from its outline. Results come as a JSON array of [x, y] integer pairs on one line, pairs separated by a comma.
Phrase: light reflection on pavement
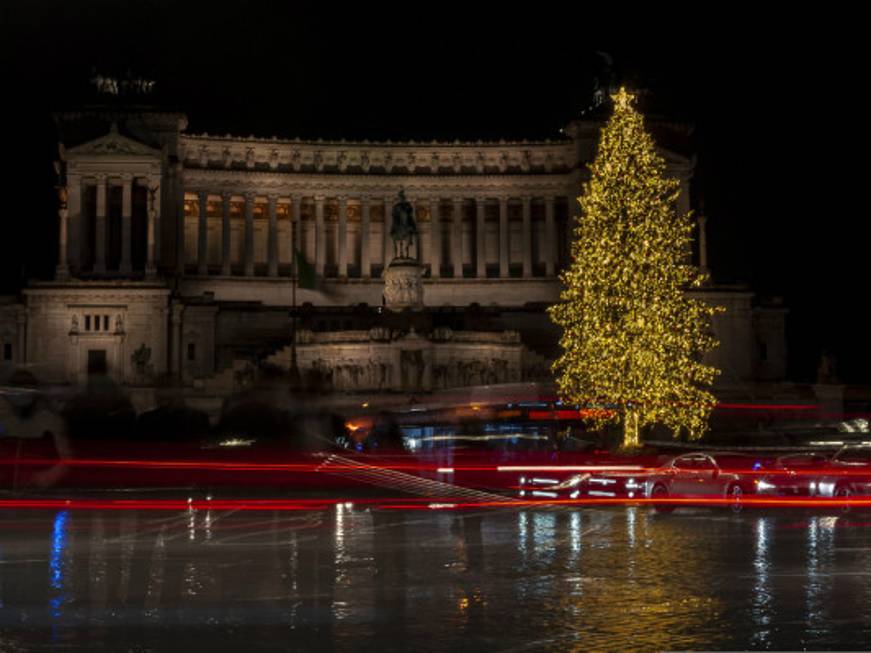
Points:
[[346, 578]]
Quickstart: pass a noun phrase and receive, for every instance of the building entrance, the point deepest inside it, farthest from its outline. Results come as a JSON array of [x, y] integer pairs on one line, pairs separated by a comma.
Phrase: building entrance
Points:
[[97, 362]]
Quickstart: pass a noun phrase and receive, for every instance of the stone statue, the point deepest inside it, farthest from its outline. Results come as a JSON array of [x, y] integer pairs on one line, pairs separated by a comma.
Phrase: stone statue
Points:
[[827, 369], [404, 229], [74, 326], [60, 170], [140, 359], [152, 198]]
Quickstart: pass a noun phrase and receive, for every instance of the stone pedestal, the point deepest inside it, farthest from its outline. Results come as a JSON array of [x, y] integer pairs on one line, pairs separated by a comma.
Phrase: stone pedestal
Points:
[[403, 287], [830, 399]]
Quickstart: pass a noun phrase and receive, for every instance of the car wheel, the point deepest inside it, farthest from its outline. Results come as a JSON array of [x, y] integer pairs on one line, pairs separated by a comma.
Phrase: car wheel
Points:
[[660, 492], [843, 493], [735, 494]]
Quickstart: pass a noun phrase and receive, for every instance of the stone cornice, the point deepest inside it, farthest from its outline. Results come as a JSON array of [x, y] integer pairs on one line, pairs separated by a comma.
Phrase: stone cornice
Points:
[[376, 186], [378, 158], [91, 292]]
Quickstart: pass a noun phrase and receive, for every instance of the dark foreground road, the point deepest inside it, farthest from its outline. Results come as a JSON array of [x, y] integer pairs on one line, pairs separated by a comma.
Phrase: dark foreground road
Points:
[[502, 580]]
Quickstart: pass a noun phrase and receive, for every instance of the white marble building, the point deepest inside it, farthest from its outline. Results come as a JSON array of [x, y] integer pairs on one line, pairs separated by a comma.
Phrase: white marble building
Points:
[[176, 251]]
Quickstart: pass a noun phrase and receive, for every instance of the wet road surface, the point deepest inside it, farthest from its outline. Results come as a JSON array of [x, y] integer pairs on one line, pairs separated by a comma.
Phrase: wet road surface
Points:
[[347, 578]]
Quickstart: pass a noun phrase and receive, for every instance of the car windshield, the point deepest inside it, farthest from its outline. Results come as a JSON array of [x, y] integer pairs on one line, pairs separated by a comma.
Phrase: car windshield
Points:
[[854, 455]]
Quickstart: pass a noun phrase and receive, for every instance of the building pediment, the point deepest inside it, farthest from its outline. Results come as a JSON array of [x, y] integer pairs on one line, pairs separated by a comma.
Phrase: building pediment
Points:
[[113, 144]]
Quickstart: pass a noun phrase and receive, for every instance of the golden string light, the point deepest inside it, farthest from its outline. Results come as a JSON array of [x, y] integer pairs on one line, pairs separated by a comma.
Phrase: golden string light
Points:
[[632, 338]]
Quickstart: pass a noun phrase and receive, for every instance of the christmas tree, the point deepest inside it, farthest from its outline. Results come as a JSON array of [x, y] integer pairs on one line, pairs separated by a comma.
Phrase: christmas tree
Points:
[[633, 340]]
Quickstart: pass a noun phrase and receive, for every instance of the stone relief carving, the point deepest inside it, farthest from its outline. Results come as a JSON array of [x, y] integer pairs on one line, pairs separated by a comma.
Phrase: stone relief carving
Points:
[[526, 161], [379, 334], [548, 162], [403, 290], [249, 157], [141, 360], [442, 334], [273, 160]]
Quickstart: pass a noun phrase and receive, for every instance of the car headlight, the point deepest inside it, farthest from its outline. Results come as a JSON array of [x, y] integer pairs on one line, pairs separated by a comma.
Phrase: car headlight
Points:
[[764, 485]]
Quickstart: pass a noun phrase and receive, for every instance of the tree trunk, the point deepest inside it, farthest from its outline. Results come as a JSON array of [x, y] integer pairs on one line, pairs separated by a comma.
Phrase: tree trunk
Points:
[[631, 437]]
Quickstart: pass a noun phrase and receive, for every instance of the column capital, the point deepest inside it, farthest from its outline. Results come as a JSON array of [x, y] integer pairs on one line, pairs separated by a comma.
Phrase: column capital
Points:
[[227, 195], [250, 196], [272, 197], [320, 199], [126, 176]]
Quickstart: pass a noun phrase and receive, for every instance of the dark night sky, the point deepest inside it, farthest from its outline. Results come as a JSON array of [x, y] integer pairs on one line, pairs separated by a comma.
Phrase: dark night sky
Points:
[[774, 100]]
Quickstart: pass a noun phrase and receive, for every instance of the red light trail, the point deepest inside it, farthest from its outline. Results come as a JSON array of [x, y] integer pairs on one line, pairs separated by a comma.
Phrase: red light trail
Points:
[[174, 505]]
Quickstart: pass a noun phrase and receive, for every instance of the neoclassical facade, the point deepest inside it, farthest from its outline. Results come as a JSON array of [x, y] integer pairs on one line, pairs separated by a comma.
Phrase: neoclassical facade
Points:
[[177, 254]]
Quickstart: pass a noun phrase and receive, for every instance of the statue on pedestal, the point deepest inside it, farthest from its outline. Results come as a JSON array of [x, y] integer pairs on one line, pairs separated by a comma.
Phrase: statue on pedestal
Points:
[[404, 229]]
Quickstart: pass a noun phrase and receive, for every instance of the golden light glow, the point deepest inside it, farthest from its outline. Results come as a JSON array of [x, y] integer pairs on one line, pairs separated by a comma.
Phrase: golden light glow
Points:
[[632, 339]]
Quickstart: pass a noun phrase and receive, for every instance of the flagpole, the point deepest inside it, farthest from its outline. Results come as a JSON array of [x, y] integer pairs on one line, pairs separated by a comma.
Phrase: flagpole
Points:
[[294, 371]]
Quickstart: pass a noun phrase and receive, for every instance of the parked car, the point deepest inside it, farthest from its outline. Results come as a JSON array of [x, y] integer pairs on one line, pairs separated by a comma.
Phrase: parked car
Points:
[[792, 475], [703, 475], [848, 473]]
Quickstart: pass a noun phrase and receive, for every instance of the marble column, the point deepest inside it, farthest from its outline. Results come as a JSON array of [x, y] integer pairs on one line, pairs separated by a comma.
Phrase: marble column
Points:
[[320, 237], [176, 354], [457, 238], [435, 238], [249, 235], [226, 231], [526, 239], [272, 238], [388, 222], [549, 237], [481, 237], [74, 221], [683, 200], [100, 231], [297, 242], [203, 235], [151, 229], [126, 226], [503, 237], [343, 238], [178, 177], [62, 271], [365, 253]]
